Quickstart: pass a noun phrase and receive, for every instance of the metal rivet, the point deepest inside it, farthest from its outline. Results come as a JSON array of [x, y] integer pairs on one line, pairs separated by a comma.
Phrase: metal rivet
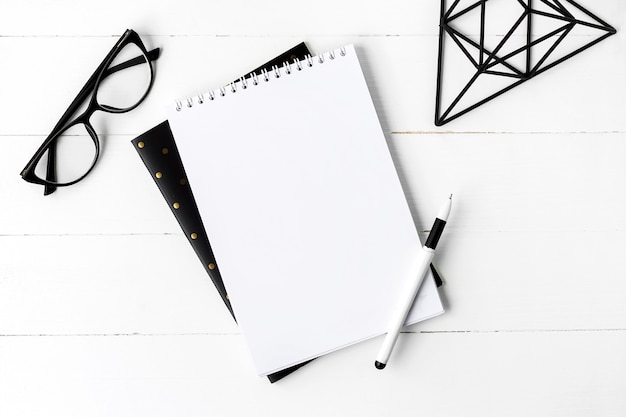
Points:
[[159, 174], [211, 265], [176, 205], [165, 151], [141, 145], [182, 181], [194, 236]]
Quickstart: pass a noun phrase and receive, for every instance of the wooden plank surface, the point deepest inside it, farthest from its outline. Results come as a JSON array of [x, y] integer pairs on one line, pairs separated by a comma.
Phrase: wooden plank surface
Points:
[[106, 311]]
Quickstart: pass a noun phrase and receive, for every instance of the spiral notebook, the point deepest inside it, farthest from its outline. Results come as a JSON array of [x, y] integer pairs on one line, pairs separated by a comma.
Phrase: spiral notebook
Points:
[[296, 187]]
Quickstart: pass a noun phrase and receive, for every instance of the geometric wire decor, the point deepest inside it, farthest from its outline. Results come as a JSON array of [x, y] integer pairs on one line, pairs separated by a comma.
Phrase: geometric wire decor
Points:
[[488, 47]]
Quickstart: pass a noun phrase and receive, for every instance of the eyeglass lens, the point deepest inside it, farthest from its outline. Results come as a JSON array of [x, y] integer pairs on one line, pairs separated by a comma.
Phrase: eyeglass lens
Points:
[[123, 90], [75, 155]]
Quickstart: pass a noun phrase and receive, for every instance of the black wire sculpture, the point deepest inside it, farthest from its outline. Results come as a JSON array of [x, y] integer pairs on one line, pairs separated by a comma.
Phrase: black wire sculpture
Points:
[[512, 57]]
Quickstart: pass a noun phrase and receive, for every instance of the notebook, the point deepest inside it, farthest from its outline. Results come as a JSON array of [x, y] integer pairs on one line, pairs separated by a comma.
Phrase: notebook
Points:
[[296, 187]]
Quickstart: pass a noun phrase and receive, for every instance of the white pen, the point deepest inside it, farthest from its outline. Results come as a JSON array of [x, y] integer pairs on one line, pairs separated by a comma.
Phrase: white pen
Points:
[[408, 296]]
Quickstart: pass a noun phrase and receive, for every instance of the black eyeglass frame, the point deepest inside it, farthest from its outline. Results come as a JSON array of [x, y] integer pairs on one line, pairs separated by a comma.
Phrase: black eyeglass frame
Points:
[[90, 88]]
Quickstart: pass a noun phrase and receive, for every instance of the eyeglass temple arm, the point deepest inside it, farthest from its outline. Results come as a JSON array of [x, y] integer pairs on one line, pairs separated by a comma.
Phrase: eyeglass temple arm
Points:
[[80, 98], [152, 55]]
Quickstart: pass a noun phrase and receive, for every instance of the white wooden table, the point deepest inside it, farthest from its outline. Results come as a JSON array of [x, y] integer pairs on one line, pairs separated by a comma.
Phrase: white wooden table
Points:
[[105, 310]]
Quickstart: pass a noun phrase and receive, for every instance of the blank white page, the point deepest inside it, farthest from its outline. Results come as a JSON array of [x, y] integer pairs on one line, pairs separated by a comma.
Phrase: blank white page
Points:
[[303, 207]]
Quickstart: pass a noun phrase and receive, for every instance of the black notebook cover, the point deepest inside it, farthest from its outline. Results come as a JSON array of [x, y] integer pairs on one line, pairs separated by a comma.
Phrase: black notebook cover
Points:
[[158, 151]]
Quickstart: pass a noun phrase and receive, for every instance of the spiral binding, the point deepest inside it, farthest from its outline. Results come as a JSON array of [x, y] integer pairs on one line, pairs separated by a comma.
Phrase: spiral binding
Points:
[[243, 83]]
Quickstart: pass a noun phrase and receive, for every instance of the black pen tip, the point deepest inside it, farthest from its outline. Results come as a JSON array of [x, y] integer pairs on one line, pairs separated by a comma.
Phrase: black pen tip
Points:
[[379, 365]]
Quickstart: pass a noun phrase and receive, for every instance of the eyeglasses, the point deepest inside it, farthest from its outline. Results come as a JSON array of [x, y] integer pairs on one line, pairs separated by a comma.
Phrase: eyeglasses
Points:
[[72, 149]]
